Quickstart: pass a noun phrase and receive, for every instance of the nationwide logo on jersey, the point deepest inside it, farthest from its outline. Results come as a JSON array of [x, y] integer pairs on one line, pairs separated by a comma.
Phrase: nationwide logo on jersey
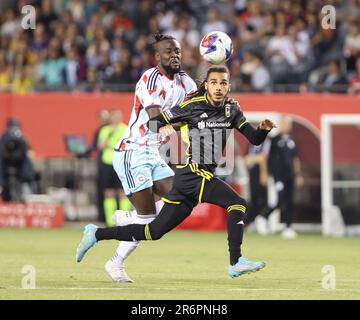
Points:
[[214, 124], [204, 115], [201, 125]]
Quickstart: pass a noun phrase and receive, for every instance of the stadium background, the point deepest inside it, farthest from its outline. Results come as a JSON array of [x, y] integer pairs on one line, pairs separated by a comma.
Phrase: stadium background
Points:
[[84, 56]]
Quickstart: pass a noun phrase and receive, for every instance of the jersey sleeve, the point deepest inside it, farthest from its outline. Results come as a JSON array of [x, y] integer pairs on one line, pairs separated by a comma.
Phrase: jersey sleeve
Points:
[[176, 114], [239, 121], [148, 90]]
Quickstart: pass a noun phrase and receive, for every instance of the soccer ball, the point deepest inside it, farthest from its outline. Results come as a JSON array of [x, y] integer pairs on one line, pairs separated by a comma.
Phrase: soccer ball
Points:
[[216, 47]]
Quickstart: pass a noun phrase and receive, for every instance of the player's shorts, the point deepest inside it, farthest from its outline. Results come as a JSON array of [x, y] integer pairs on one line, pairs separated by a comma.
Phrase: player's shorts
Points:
[[139, 168], [189, 184], [108, 177]]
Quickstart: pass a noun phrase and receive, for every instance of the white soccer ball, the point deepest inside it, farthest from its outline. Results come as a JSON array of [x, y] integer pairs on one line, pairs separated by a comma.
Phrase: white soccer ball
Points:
[[216, 47]]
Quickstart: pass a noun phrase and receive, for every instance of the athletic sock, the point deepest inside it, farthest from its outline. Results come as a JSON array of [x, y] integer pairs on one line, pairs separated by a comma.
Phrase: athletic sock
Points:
[[127, 233], [144, 218], [158, 205], [124, 249], [235, 229], [109, 208], [125, 204]]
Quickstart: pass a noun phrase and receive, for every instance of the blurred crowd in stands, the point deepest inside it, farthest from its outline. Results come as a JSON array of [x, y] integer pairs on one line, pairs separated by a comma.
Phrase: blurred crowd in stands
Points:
[[94, 45]]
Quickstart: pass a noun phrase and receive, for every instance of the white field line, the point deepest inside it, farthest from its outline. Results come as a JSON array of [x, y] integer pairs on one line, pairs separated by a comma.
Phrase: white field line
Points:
[[191, 290]]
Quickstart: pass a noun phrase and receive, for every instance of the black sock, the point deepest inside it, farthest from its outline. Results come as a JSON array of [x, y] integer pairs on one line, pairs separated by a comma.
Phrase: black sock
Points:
[[235, 234], [127, 233]]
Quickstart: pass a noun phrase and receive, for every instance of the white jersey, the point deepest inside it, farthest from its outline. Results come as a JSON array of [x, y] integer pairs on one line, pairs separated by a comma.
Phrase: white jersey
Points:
[[153, 89]]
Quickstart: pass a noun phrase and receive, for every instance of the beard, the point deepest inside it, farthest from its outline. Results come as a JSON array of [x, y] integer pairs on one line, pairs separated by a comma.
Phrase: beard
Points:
[[170, 70]]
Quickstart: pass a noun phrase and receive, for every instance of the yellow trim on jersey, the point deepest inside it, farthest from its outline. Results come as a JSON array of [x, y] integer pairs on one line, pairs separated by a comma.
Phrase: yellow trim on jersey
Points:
[[147, 232], [201, 189], [238, 207], [194, 167], [184, 132], [166, 119], [243, 124], [195, 99], [170, 201]]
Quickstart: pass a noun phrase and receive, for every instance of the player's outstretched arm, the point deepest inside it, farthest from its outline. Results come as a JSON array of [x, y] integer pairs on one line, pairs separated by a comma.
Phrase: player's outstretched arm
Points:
[[257, 136]]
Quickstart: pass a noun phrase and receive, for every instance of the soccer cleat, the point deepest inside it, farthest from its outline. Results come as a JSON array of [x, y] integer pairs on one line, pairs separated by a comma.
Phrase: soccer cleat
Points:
[[244, 266], [117, 273], [88, 241], [124, 218], [261, 225], [289, 233]]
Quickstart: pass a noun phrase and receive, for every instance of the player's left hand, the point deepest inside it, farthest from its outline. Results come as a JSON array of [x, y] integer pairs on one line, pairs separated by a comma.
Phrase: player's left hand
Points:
[[267, 125]]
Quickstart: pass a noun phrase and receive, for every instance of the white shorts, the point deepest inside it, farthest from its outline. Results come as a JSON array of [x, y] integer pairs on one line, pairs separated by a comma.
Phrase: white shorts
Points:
[[139, 168]]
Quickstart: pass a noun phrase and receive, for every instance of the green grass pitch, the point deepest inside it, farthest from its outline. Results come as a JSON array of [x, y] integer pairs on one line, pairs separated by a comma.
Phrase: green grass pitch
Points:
[[182, 265]]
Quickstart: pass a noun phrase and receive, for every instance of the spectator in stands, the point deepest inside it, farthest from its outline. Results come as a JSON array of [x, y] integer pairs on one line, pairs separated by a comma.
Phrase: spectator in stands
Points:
[[281, 54], [333, 80], [352, 46], [254, 74], [214, 22], [10, 24], [22, 82], [355, 81], [121, 75], [50, 71], [96, 27], [5, 72]]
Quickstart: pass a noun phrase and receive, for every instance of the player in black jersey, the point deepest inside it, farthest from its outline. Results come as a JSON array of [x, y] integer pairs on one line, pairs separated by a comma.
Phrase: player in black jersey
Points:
[[208, 114]]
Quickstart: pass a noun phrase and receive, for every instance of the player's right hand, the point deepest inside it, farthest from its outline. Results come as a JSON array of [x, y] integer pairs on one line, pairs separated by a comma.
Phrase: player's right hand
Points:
[[166, 131]]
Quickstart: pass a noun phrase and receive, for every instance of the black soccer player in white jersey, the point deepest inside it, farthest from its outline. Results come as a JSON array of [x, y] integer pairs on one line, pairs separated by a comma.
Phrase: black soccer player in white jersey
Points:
[[137, 161], [195, 182]]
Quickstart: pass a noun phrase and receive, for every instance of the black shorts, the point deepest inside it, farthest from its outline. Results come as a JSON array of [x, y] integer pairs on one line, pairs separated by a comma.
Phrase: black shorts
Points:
[[193, 185], [189, 183], [108, 177]]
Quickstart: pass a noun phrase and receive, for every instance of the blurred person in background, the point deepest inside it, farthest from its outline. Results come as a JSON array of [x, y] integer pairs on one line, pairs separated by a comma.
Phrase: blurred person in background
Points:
[[285, 167], [333, 80], [352, 46], [256, 162], [15, 163], [5, 72], [214, 22], [254, 74], [103, 117], [108, 137], [354, 87], [22, 82], [50, 71]]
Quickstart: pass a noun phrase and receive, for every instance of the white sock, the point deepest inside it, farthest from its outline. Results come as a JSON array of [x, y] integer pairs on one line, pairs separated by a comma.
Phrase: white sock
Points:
[[127, 217], [158, 205], [125, 248], [144, 218]]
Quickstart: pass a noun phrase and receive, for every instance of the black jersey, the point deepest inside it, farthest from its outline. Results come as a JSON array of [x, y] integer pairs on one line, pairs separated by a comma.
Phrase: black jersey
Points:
[[206, 128]]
